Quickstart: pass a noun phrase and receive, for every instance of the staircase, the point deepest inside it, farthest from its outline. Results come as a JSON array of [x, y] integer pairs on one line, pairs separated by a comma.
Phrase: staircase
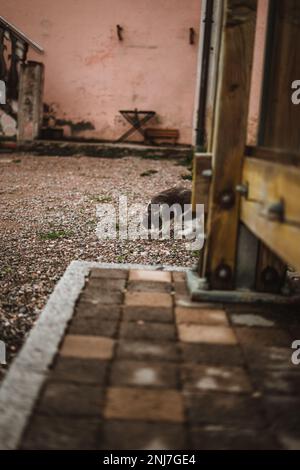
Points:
[[14, 46]]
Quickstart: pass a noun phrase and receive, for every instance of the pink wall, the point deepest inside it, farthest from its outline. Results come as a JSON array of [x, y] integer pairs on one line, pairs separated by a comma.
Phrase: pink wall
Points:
[[90, 75]]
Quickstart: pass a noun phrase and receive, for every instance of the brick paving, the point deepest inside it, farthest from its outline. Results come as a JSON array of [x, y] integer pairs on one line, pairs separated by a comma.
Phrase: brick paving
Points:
[[141, 367]]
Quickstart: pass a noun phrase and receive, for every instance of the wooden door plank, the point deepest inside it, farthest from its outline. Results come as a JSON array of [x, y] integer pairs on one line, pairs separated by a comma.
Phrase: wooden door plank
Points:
[[237, 44], [200, 191], [269, 183], [201, 184], [280, 237], [281, 117], [279, 123]]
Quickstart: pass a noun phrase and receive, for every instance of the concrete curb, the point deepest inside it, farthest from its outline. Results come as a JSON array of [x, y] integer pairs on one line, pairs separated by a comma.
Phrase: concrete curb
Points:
[[26, 376], [103, 150], [23, 382], [158, 267]]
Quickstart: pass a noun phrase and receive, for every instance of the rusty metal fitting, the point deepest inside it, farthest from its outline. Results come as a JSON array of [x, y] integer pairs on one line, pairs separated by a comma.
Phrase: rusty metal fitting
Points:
[[227, 199]]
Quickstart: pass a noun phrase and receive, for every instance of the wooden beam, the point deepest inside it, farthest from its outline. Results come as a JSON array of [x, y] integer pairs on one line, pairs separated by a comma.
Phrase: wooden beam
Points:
[[237, 43], [202, 166], [213, 73], [270, 271], [269, 183], [275, 155], [201, 181], [280, 237]]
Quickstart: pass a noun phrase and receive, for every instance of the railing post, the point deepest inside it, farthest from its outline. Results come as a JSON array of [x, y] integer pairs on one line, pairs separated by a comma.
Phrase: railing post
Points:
[[236, 57], [30, 113], [13, 74], [3, 67]]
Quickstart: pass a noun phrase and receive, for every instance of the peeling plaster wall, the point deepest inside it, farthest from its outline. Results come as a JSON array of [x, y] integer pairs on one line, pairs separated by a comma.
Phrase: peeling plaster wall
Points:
[[90, 75]]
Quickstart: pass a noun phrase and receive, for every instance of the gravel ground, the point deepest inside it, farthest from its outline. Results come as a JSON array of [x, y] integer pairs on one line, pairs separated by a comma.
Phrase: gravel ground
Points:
[[48, 218]]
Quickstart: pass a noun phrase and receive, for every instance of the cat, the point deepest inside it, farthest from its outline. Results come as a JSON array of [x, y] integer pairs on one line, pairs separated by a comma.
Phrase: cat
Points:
[[178, 197]]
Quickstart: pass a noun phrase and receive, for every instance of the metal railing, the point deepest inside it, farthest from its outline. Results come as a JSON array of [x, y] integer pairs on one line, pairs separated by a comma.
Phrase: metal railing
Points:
[[14, 45]]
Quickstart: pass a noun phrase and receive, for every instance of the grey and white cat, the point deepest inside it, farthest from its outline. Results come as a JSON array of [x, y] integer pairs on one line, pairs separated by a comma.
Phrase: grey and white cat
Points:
[[177, 198]]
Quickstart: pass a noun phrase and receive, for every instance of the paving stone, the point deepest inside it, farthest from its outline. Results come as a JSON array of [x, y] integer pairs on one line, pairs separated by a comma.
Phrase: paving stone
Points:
[[148, 299], [201, 316], [290, 318], [294, 332], [149, 275], [87, 347], [206, 334], [149, 286], [144, 404], [181, 288], [288, 440], [259, 337], [86, 309], [268, 358], [105, 297], [290, 310], [223, 408], [127, 435], [248, 308], [70, 369], [182, 299], [147, 331], [277, 382], [284, 419], [263, 316], [252, 320], [283, 414], [147, 351], [139, 373], [228, 438], [106, 284], [281, 411], [179, 276], [148, 314], [109, 273], [61, 433], [217, 354], [186, 302], [209, 377], [69, 399], [93, 327]]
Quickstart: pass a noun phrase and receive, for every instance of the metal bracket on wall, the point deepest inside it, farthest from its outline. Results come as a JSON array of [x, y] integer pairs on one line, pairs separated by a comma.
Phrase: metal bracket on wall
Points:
[[192, 36], [120, 32], [199, 292]]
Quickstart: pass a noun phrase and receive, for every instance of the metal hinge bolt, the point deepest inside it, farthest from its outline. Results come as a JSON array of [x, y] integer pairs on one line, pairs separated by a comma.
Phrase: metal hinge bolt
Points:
[[242, 189], [207, 174]]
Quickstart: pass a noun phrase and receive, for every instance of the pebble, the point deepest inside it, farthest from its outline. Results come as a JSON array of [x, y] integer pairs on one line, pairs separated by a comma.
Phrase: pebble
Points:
[[60, 194]]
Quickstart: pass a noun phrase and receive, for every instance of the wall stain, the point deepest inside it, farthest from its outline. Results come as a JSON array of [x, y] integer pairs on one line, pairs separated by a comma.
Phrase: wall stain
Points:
[[51, 120], [98, 57], [76, 126]]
